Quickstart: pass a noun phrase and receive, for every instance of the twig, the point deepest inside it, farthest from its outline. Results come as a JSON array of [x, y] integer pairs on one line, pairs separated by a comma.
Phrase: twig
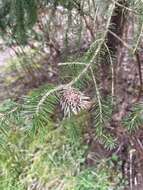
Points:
[[122, 41], [140, 74], [72, 63], [131, 167], [127, 8], [11, 111], [119, 148], [112, 70], [139, 142], [97, 94]]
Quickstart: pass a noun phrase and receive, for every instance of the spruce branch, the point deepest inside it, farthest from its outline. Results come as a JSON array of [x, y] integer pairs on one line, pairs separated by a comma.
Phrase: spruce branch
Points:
[[61, 87], [97, 94], [102, 134], [113, 73], [134, 119]]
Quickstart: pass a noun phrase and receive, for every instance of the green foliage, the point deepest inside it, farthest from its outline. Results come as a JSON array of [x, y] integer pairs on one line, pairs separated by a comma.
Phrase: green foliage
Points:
[[97, 179], [47, 111], [9, 116], [102, 116], [91, 179], [26, 63], [18, 17], [55, 156], [134, 119], [69, 72]]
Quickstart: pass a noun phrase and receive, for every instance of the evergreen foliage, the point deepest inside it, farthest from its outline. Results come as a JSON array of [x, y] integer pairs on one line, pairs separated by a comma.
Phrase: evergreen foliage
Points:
[[134, 119], [102, 117], [17, 17], [40, 148], [54, 156]]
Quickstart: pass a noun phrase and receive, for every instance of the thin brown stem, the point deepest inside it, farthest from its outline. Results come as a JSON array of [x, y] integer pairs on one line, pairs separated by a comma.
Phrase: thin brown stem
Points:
[[140, 75]]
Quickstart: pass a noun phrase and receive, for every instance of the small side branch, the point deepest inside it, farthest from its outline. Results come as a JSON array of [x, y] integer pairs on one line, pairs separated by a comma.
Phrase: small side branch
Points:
[[140, 74], [60, 87]]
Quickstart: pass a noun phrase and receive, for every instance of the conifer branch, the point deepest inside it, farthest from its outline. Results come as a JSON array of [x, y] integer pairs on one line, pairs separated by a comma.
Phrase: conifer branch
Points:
[[60, 87], [112, 71], [97, 94]]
